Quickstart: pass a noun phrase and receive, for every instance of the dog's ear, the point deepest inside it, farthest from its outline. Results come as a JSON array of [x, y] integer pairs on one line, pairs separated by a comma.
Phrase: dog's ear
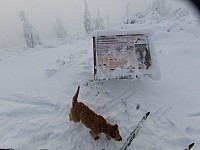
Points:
[[116, 126]]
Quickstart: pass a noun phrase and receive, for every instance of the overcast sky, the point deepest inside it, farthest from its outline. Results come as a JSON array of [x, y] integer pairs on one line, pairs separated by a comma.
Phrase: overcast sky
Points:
[[41, 14]]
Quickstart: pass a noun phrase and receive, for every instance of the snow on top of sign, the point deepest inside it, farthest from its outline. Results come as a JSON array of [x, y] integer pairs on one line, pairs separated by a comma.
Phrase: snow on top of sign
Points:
[[123, 30]]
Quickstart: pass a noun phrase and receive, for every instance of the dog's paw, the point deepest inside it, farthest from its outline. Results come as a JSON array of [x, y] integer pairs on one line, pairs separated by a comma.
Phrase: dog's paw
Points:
[[96, 137], [108, 137]]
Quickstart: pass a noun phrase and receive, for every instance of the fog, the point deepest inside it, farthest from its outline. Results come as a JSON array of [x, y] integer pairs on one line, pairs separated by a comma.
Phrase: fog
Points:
[[41, 14]]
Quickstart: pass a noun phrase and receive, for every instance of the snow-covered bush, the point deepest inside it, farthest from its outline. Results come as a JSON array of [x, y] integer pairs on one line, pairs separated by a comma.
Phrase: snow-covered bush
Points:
[[30, 34], [153, 17], [137, 18], [132, 19]]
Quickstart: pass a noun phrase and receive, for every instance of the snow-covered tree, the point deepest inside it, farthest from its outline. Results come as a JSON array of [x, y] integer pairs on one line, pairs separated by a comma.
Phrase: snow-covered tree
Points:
[[160, 7], [178, 14], [88, 24], [99, 21], [59, 28], [30, 34], [108, 20], [126, 17], [132, 19], [54, 28]]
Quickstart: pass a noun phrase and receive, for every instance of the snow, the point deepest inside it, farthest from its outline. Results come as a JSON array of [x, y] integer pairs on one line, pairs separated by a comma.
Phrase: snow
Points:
[[37, 86]]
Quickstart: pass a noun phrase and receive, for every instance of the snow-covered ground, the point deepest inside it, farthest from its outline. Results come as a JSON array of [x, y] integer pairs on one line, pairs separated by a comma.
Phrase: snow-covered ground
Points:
[[37, 86]]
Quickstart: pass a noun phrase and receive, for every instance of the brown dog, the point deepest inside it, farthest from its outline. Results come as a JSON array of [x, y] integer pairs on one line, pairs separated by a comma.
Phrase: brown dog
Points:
[[97, 124]]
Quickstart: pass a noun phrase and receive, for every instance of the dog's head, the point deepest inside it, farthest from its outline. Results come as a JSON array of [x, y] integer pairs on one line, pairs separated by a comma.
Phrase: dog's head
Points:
[[112, 131]]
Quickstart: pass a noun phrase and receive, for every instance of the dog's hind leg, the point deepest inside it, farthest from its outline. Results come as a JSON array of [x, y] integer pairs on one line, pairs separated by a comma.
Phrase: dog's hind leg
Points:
[[73, 116], [94, 135]]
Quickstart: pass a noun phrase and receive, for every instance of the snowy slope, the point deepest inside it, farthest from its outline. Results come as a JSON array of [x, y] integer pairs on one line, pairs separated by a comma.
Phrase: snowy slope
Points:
[[37, 86]]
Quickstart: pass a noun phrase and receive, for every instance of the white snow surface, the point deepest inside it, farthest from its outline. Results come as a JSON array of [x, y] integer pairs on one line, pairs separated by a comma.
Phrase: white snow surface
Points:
[[37, 86]]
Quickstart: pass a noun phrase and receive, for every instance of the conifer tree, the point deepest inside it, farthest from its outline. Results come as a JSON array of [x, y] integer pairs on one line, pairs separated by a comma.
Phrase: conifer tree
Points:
[[108, 20], [99, 21], [160, 7], [30, 34], [59, 28], [127, 13], [88, 25]]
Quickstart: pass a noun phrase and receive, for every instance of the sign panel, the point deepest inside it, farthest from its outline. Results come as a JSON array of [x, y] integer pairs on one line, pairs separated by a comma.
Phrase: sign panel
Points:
[[120, 56]]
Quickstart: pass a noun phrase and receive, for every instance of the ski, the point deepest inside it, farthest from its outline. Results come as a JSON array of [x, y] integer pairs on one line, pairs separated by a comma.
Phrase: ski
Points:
[[135, 132], [190, 146]]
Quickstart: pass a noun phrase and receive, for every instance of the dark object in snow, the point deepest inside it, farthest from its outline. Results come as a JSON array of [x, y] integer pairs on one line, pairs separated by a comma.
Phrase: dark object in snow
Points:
[[190, 146], [86, 84], [196, 3], [135, 132], [82, 113], [138, 106], [7, 149]]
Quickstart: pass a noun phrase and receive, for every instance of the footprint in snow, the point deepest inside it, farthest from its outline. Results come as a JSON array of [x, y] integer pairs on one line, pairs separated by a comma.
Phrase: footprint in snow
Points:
[[60, 62], [190, 130], [50, 72]]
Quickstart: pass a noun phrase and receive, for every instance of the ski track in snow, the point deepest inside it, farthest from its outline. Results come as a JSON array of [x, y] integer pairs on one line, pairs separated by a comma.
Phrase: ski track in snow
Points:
[[195, 114], [22, 99]]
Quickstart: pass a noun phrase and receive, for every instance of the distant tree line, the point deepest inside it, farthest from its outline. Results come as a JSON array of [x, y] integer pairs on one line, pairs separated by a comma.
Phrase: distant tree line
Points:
[[33, 39], [90, 24]]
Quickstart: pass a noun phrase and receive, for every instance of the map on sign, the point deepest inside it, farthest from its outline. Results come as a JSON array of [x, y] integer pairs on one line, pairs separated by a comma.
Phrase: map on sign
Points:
[[121, 52]]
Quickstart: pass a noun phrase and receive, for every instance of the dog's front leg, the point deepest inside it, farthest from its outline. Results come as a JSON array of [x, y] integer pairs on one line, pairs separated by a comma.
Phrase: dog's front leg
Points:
[[108, 137], [70, 117], [94, 135]]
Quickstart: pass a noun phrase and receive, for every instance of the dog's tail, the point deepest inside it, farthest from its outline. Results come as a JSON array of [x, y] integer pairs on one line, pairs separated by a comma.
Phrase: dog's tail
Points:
[[75, 97]]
